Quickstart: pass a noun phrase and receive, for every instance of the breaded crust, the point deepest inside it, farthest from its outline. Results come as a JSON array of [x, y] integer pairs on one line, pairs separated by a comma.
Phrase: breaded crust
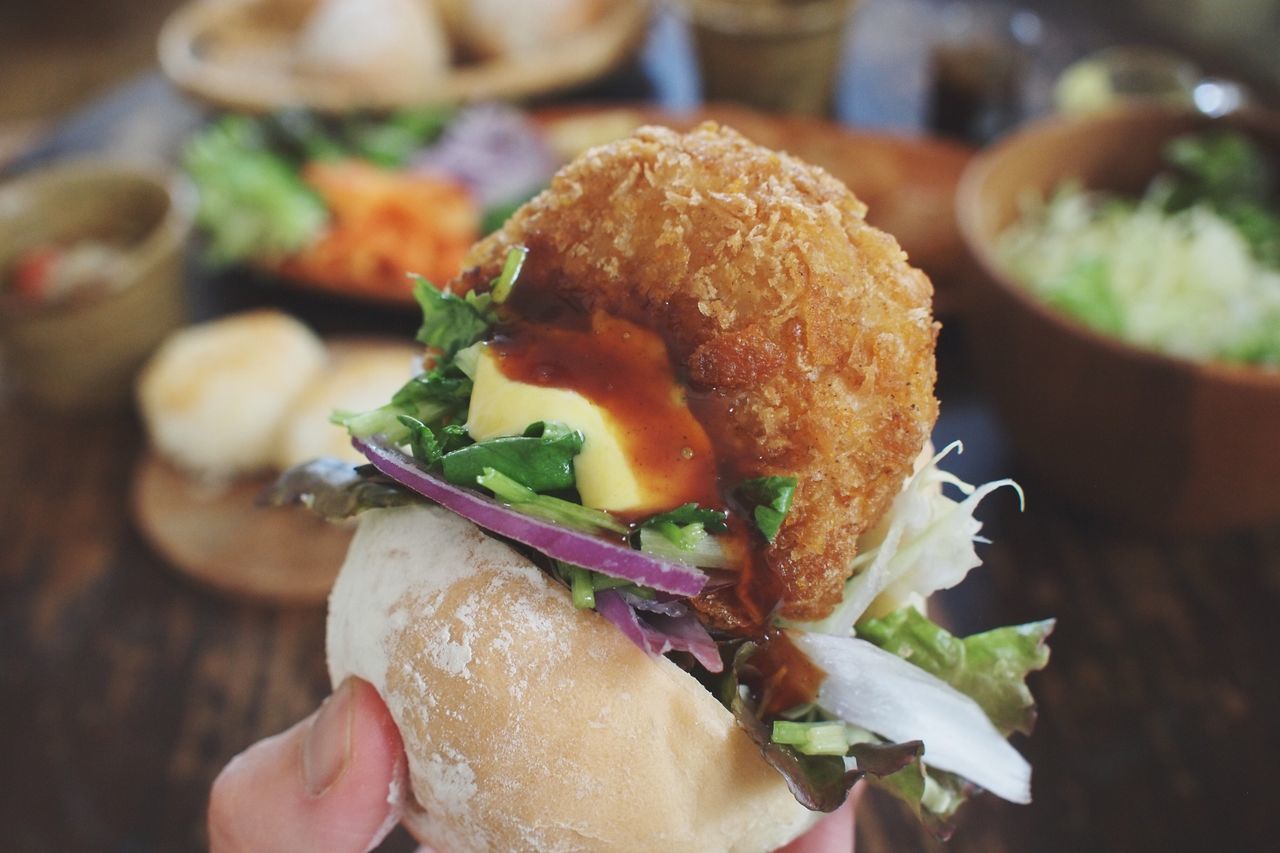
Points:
[[804, 331]]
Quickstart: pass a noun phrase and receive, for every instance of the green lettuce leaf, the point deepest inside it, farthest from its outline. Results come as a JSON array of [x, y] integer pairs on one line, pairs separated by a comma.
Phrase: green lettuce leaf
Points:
[[1219, 167], [523, 499], [584, 584], [541, 459], [428, 444], [432, 399], [253, 204], [769, 499], [685, 529], [1228, 172], [712, 520], [991, 668], [934, 796], [818, 782], [390, 141], [449, 322], [501, 286]]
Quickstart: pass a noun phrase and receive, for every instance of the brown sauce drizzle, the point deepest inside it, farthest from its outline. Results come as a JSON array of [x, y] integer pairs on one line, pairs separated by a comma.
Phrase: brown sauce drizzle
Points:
[[783, 676], [549, 343], [625, 370]]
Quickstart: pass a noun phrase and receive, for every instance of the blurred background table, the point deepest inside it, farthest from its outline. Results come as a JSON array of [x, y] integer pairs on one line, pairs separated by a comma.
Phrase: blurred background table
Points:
[[123, 689]]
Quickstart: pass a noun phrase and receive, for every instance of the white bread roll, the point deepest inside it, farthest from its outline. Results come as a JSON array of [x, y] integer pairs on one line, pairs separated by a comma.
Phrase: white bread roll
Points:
[[364, 375], [215, 395], [384, 49], [496, 28], [530, 725]]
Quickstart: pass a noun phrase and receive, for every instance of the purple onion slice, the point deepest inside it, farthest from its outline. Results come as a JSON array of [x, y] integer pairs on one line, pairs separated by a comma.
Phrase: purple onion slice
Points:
[[496, 151], [660, 634], [666, 605], [561, 543]]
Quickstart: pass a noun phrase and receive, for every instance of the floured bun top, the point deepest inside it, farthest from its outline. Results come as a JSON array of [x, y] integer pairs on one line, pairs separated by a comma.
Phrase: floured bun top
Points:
[[530, 725]]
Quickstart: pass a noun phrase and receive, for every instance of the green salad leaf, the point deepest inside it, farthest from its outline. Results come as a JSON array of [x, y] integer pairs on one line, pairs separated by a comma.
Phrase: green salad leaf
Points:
[[429, 444], [449, 322], [297, 135], [524, 499], [769, 499], [432, 399], [818, 782], [541, 459], [1229, 173], [506, 280], [900, 769], [1191, 268], [818, 737], [934, 796], [1219, 166], [991, 668], [712, 520], [684, 535], [1084, 290], [390, 141], [584, 584], [253, 204], [386, 140], [820, 779]]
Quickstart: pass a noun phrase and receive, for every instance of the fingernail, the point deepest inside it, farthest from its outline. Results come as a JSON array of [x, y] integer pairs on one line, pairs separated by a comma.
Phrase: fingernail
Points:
[[326, 751]]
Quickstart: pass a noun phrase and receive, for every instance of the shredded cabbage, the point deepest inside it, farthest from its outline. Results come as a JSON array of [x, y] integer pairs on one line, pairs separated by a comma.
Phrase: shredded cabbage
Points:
[[924, 543], [874, 689], [1185, 283]]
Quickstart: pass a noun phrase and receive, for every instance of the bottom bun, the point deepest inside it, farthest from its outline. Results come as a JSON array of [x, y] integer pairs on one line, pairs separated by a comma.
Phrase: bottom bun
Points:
[[530, 725]]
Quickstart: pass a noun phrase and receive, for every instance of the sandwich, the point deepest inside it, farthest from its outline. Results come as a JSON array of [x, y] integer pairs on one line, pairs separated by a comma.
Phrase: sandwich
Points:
[[644, 550]]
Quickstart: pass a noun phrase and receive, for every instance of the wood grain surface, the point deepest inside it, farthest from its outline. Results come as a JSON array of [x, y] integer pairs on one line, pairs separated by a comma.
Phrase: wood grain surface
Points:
[[124, 688]]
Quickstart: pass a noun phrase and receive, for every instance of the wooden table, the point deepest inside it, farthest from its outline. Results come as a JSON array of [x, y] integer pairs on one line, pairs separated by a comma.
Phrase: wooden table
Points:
[[123, 689]]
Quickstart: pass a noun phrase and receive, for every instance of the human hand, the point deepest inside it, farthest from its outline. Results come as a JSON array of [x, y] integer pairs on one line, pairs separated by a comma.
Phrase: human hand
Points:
[[330, 783], [333, 784]]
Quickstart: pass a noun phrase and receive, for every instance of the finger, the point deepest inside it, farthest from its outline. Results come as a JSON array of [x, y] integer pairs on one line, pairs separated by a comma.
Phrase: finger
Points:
[[330, 784], [833, 834]]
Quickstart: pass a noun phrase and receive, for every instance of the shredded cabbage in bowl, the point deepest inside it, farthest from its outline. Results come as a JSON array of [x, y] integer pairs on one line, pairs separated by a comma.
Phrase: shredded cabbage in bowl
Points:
[[1194, 280]]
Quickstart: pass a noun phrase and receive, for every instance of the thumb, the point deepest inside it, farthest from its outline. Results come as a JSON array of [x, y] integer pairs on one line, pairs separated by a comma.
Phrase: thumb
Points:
[[834, 833], [330, 784]]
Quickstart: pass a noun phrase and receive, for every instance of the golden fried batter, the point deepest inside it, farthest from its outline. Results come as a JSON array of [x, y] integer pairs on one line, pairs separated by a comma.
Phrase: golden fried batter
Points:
[[802, 329]]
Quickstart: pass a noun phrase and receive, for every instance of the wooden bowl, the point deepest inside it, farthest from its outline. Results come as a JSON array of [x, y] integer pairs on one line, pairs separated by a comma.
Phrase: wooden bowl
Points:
[[81, 353], [1155, 440], [239, 55]]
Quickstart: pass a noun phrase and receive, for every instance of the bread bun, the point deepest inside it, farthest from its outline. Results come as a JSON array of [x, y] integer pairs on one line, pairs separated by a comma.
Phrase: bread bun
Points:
[[386, 49], [530, 725], [364, 375], [214, 396], [490, 29]]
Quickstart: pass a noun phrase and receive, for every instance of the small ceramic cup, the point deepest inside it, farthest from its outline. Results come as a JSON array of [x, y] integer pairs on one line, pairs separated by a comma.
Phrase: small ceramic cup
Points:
[[82, 352], [777, 55]]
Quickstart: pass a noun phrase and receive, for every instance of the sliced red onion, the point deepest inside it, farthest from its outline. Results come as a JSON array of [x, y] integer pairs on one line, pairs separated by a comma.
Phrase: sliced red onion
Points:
[[660, 634], [495, 151], [561, 543], [664, 606]]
